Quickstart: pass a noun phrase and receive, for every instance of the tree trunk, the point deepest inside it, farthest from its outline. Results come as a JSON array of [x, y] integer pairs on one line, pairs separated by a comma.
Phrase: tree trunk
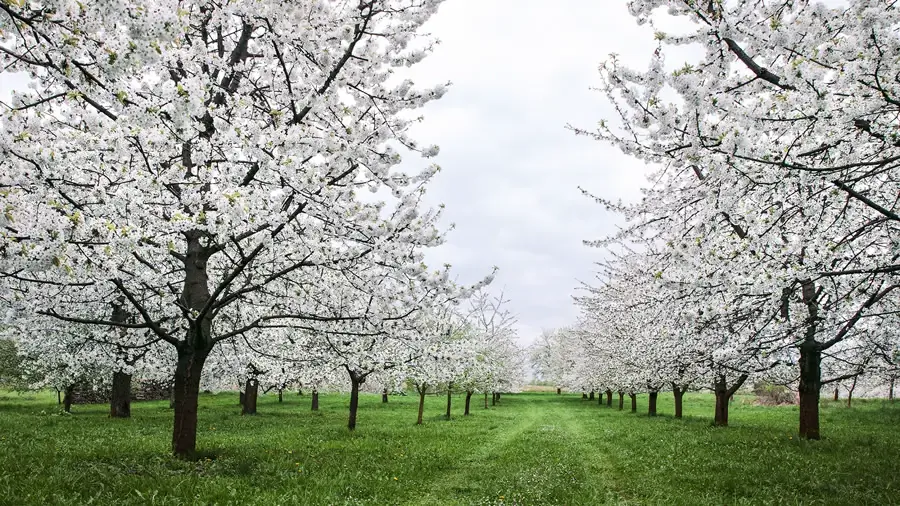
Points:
[[891, 391], [120, 397], [591, 396], [679, 397], [633, 402], [558, 391], [485, 401], [608, 398], [251, 392], [355, 382], [59, 395], [241, 398], [835, 394], [315, 399], [621, 400], [810, 385], [600, 399], [172, 396], [583, 396], [723, 394], [494, 399], [280, 395], [422, 391], [67, 398], [651, 403], [384, 394], [468, 398], [187, 392], [449, 398], [850, 391]]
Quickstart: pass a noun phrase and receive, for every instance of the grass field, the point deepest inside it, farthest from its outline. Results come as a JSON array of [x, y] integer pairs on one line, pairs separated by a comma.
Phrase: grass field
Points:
[[536, 448]]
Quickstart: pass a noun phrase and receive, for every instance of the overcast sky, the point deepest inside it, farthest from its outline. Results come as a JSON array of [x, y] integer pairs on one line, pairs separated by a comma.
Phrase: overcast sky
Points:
[[521, 70]]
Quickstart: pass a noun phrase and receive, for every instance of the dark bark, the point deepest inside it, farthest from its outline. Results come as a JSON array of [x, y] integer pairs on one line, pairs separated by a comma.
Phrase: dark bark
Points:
[[558, 391], [891, 390], [67, 398], [621, 400], [810, 385], [608, 398], [172, 396], [633, 402], [241, 397], [600, 399], [468, 399], [251, 393], [850, 391], [355, 381], [59, 396], [422, 391], [485, 401], [315, 400], [449, 398], [120, 396], [591, 396], [384, 396], [280, 395], [494, 399], [723, 393], [187, 392], [583, 396], [679, 398], [836, 394], [651, 403]]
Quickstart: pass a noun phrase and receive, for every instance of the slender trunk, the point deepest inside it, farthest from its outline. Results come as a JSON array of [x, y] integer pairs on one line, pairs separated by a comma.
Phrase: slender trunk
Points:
[[315, 399], [449, 398], [608, 398], [621, 400], [241, 397], [59, 395], [251, 392], [494, 399], [384, 394], [836, 394], [591, 396], [891, 391], [67, 398], [422, 391], [187, 393], [355, 381], [485, 401], [651, 403], [600, 399], [633, 402], [468, 399], [280, 395], [558, 391], [679, 397], [120, 397], [810, 385], [850, 391]]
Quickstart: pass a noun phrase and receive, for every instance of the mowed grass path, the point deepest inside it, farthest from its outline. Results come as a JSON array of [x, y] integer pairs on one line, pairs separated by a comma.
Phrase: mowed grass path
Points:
[[535, 448]]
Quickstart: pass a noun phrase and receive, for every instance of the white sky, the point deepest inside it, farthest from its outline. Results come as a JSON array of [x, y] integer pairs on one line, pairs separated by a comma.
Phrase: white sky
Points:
[[521, 70]]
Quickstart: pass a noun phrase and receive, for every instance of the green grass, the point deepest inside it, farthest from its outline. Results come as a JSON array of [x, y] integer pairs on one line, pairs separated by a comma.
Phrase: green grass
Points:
[[534, 449]]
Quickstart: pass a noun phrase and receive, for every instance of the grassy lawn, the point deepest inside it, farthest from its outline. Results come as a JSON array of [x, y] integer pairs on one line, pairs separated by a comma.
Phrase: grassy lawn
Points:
[[537, 448]]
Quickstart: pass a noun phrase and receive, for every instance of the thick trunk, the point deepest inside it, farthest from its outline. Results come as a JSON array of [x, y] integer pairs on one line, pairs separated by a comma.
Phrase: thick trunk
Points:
[[422, 404], [810, 385], [608, 398], [621, 400], [591, 396], [449, 398], [187, 392], [558, 391], [251, 392], [836, 394], [651, 403], [384, 396], [468, 400], [120, 397], [600, 399], [633, 402], [679, 397], [723, 394], [67, 398], [315, 400], [494, 399], [354, 401]]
